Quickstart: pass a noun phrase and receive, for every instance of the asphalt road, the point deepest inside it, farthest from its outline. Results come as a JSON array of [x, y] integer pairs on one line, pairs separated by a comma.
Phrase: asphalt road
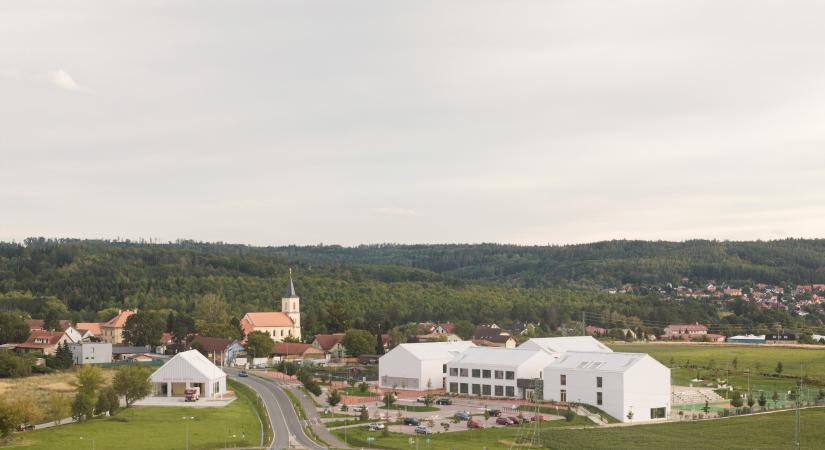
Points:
[[282, 417]]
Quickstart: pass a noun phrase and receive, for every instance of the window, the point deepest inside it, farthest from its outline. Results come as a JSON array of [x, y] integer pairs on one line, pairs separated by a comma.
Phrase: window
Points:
[[454, 388], [444, 368], [499, 391], [476, 373], [485, 389], [485, 374], [657, 413], [476, 389], [563, 396], [499, 374], [598, 398], [563, 380], [598, 382], [462, 388], [462, 372], [510, 375], [453, 371], [510, 391]]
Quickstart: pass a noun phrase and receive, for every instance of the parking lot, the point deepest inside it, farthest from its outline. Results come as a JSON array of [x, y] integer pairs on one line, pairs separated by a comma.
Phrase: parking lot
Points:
[[446, 412]]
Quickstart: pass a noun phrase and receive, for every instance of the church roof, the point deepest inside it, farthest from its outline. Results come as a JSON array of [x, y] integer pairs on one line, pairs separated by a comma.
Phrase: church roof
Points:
[[290, 288]]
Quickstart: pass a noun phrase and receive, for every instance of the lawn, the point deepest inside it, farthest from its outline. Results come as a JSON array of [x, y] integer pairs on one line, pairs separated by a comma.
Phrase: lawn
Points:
[[767, 431], [39, 387], [148, 428]]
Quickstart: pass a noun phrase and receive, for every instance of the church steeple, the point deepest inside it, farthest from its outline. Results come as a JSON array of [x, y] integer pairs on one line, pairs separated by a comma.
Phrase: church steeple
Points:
[[290, 288]]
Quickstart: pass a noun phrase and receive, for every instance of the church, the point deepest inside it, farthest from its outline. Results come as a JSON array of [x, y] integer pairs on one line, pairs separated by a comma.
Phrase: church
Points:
[[278, 324]]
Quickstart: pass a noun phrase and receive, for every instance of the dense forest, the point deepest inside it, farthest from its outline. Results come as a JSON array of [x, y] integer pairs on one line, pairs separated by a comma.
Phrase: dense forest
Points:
[[386, 285]]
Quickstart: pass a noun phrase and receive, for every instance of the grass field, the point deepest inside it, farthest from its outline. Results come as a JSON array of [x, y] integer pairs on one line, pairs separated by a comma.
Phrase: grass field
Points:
[[768, 431], [39, 387], [151, 428]]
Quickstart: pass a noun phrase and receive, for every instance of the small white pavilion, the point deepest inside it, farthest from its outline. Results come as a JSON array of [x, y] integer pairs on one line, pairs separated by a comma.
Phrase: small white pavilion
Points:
[[189, 369]]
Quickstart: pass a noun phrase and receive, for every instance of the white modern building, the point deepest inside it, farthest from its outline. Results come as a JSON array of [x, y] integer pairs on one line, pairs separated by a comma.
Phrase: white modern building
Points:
[[417, 366], [617, 383], [91, 353], [498, 372], [559, 345], [189, 369]]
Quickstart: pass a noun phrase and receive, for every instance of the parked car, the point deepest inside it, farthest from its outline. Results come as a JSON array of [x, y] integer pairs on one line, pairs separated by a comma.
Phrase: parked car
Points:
[[494, 412], [538, 418], [411, 421], [503, 421], [473, 424], [462, 415], [358, 409], [444, 401], [243, 374], [375, 426], [25, 427], [514, 420], [421, 399], [192, 394], [422, 429]]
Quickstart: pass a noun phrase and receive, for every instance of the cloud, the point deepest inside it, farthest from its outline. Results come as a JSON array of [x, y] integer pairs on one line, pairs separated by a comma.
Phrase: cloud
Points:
[[61, 79], [397, 212]]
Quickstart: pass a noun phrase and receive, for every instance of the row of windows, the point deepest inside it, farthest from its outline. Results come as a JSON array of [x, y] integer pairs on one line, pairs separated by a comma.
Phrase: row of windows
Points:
[[563, 396], [563, 381], [482, 373], [483, 389]]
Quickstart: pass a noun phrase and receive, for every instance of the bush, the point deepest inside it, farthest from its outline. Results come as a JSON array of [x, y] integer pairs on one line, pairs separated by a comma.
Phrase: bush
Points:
[[13, 366], [569, 415]]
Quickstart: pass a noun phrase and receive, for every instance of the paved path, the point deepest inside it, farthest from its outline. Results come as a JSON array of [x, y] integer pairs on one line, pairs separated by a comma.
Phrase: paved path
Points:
[[314, 418]]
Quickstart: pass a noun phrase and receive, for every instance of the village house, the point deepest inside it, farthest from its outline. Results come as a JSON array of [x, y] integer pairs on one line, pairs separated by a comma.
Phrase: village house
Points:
[[43, 342], [331, 344], [112, 330]]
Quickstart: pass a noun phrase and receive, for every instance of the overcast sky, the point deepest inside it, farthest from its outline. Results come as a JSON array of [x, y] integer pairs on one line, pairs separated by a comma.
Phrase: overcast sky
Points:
[[277, 122]]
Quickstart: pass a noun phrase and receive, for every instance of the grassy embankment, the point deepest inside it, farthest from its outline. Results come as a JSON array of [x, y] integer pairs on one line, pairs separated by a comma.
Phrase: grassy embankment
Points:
[[150, 428]]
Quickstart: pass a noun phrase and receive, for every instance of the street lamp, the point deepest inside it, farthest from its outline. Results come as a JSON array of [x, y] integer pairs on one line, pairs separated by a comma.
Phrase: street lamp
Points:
[[187, 419], [91, 439]]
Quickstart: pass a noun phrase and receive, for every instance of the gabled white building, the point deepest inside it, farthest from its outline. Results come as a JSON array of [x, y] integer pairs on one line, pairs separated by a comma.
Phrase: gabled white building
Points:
[[559, 345], [617, 383], [417, 366], [498, 372], [189, 369]]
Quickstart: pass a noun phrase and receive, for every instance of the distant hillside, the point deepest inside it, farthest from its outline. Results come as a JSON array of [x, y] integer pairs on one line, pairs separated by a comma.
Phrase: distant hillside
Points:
[[600, 264]]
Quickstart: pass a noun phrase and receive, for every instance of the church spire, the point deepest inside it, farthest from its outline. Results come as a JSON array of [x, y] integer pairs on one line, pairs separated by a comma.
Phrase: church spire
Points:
[[290, 288]]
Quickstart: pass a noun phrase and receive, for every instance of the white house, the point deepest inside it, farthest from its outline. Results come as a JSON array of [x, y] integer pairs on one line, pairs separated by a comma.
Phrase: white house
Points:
[[189, 369], [617, 383], [559, 345], [498, 372], [91, 352], [415, 366]]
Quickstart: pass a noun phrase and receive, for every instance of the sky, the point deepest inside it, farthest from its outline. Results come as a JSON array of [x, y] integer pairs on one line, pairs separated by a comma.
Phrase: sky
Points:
[[430, 121]]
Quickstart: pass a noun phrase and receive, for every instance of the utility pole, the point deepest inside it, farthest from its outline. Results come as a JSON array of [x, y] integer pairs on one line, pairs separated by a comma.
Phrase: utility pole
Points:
[[798, 430]]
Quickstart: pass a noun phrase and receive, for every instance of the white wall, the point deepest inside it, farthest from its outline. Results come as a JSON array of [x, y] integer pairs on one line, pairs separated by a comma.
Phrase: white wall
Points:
[[400, 363], [581, 387], [647, 385]]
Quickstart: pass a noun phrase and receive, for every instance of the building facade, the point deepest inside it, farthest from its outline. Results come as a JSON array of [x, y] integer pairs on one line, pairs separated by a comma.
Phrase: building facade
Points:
[[91, 353], [419, 366], [498, 372], [277, 324]]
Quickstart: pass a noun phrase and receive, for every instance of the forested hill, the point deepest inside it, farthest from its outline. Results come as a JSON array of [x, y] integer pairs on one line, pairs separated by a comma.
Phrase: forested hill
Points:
[[388, 285], [599, 264]]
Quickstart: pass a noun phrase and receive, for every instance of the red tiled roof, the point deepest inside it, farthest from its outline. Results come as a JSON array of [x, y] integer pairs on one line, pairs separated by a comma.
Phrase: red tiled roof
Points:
[[119, 321], [53, 337], [268, 319], [327, 341], [212, 344], [291, 349], [93, 327], [696, 327]]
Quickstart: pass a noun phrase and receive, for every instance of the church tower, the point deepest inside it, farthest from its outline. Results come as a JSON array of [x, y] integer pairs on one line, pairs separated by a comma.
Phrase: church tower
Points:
[[291, 306]]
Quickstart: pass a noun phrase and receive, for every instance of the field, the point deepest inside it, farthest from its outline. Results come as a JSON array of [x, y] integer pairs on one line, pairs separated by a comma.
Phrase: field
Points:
[[764, 431], [39, 387], [760, 360], [149, 428]]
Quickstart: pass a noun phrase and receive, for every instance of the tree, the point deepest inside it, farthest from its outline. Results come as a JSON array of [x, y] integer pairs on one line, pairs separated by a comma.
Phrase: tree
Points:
[[365, 415], [778, 368], [83, 406], [775, 397], [706, 408], [144, 328], [735, 362], [358, 342], [13, 366], [9, 419], [62, 358], [28, 409], [333, 397], [51, 320], [58, 407], [379, 344], [762, 400], [12, 328], [751, 400], [132, 382], [389, 399], [180, 326], [89, 379], [259, 344], [736, 399], [464, 329], [108, 402], [212, 308], [200, 348]]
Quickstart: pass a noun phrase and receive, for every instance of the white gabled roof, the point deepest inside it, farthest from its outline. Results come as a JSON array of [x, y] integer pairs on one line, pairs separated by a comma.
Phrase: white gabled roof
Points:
[[567, 344], [499, 356], [599, 361], [437, 350], [188, 365]]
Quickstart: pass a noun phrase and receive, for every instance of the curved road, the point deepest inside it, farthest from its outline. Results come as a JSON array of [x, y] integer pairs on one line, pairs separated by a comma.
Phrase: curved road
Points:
[[282, 417]]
